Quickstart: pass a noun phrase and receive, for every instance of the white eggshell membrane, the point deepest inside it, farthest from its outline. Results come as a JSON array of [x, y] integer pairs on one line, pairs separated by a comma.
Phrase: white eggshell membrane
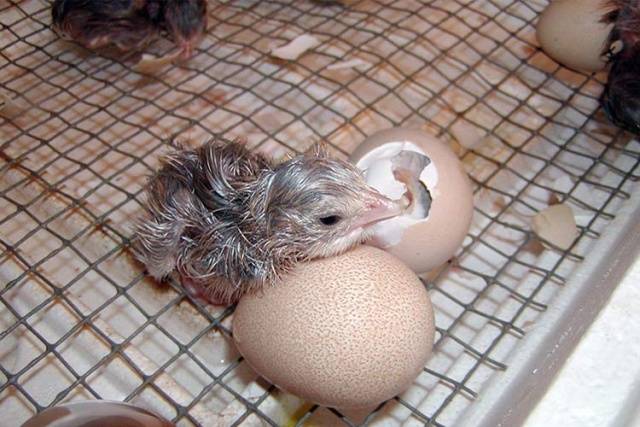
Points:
[[377, 167], [423, 243]]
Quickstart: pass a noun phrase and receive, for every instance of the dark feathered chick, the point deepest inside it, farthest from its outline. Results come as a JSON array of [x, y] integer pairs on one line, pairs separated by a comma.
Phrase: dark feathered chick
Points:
[[621, 97], [186, 21], [231, 222], [130, 24], [107, 9]]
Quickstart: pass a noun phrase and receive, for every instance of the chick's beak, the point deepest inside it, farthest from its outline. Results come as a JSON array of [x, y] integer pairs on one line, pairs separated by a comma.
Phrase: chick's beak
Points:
[[379, 208]]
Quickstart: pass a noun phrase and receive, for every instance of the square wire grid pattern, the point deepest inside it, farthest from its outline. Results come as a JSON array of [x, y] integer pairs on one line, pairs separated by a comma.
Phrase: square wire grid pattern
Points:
[[79, 320]]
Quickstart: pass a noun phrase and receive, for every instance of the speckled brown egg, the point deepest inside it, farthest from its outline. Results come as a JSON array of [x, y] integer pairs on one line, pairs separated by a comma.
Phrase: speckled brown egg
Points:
[[570, 32], [435, 224], [347, 332]]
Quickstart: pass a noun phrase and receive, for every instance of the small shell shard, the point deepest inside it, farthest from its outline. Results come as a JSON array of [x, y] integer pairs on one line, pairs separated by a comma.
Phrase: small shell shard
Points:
[[353, 63], [295, 47], [556, 225], [150, 64]]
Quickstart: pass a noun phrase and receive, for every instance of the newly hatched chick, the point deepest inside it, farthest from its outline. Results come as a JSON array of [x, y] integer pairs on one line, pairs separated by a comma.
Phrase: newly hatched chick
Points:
[[186, 21], [230, 222], [127, 24], [621, 97], [130, 24]]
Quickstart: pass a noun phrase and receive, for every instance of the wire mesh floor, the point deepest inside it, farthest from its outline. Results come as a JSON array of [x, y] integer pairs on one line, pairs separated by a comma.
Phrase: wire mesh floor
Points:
[[79, 319]]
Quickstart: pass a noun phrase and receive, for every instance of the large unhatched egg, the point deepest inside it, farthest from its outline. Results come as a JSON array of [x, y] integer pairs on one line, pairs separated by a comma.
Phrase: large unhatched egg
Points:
[[571, 32], [411, 163], [346, 332]]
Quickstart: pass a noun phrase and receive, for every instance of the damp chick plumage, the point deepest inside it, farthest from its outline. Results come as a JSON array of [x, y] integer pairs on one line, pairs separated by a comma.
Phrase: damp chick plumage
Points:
[[130, 24], [231, 222], [621, 96], [186, 21]]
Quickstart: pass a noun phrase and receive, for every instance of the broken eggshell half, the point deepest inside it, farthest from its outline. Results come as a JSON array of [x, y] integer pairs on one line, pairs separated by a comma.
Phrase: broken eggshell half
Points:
[[411, 163]]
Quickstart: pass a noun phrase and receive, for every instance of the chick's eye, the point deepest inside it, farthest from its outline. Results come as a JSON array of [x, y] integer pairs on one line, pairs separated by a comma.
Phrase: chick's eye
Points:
[[330, 219]]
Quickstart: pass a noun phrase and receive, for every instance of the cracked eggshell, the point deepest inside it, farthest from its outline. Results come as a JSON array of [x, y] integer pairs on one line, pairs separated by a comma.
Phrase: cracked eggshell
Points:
[[348, 332], [425, 243], [571, 33]]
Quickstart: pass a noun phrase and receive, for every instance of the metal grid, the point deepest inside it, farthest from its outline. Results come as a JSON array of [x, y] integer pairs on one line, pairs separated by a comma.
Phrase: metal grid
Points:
[[80, 320]]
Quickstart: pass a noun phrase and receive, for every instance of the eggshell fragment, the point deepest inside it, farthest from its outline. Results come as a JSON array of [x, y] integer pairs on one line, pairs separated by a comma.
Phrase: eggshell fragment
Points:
[[296, 47], [570, 32], [556, 225], [353, 63], [347, 332], [422, 243], [150, 64]]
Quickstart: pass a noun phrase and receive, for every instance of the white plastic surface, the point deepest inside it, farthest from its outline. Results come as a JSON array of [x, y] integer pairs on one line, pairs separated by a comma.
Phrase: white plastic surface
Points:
[[599, 385], [509, 398]]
